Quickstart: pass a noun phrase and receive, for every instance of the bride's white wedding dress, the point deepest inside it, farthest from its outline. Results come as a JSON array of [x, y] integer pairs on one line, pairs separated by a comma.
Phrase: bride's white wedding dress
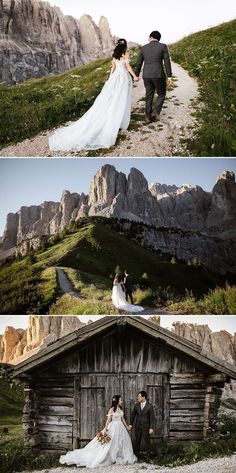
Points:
[[120, 302], [118, 450], [100, 125]]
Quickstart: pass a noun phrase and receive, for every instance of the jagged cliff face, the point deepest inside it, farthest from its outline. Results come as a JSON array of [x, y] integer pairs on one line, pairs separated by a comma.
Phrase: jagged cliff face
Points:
[[36, 39], [112, 194], [17, 344], [95, 40], [222, 343]]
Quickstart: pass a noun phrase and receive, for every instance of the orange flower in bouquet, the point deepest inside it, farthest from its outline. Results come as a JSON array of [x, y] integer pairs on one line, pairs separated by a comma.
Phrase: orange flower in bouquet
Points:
[[103, 438]]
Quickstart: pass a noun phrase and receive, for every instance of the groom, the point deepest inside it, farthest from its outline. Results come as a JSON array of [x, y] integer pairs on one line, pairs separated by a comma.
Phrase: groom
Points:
[[153, 55], [128, 283], [143, 417]]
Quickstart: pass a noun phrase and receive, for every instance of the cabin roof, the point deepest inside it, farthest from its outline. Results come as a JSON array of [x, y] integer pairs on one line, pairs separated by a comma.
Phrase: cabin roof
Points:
[[82, 335]]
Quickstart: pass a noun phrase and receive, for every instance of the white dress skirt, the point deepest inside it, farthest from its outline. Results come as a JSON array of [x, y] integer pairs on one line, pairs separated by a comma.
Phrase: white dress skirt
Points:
[[119, 450], [120, 302], [99, 126]]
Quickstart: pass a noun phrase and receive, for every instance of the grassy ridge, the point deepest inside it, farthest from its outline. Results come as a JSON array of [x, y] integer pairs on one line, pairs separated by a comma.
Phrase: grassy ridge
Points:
[[40, 104], [91, 252], [210, 56]]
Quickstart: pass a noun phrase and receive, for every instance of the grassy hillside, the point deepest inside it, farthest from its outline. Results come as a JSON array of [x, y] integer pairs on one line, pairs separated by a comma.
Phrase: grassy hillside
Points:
[[210, 56], [40, 104], [11, 405], [90, 253]]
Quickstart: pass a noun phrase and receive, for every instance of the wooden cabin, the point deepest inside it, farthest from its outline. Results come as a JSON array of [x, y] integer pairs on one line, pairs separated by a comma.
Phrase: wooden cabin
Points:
[[69, 385]]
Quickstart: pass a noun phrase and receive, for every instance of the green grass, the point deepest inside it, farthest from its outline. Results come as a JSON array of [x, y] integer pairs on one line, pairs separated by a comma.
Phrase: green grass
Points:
[[220, 301], [15, 457], [40, 104], [48, 288], [67, 305], [91, 251], [11, 405], [210, 57]]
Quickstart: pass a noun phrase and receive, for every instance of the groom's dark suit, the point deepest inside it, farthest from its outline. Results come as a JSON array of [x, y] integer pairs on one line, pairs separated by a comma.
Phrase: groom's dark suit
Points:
[[154, 54], [143, 420]]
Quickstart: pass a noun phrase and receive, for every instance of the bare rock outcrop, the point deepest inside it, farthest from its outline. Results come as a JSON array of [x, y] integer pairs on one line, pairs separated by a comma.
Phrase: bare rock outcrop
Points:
[[106, 36], [36, 39], [223, 200], [220, 343], [159, 190], [189, 222], [17, 344]]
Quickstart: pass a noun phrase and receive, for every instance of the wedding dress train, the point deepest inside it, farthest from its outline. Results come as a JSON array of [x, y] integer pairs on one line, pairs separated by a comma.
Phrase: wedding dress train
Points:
[[99, 126], [119, 450], [120, 302]]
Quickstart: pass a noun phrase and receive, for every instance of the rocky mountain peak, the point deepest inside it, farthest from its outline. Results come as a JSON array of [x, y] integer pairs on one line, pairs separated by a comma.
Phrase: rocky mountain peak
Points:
[[226, 175], [137, 183], [162, 190], [112, 194], [36, 39], [106, 36]]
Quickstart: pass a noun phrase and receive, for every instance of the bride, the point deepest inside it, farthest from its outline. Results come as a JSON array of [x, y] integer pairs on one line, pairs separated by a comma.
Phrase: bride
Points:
[[118, 297], [100, 125], [118, 450]]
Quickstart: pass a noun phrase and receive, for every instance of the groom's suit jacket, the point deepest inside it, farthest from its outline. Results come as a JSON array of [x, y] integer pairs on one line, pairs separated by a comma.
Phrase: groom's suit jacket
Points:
[[154, 54], [143, 417]]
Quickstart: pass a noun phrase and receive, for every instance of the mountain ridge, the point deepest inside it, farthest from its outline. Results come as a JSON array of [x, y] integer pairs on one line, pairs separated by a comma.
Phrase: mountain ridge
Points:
[[37, 39], [112, 194]]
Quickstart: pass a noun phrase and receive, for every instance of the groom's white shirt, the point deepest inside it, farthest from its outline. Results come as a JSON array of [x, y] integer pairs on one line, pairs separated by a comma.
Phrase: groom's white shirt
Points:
[[143, 404]]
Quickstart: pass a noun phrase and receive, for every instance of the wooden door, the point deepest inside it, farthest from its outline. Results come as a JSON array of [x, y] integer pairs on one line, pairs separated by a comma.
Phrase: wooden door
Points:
[[157, 388], [93, 395]]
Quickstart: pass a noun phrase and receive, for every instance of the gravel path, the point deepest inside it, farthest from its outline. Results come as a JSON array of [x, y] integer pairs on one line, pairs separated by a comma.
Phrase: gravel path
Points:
[[216, 465], [157, 139], [65, 284]]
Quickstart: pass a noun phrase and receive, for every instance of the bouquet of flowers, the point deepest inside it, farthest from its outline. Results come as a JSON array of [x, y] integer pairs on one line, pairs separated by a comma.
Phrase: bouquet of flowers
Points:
[[103, 438]]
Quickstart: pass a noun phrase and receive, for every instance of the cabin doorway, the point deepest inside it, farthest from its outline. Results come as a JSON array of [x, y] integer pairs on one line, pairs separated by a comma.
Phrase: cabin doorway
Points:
[[93, 395]]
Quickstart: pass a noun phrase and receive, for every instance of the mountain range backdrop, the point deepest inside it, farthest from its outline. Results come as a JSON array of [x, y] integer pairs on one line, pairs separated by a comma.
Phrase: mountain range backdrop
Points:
[[36, 39], [182, 238]]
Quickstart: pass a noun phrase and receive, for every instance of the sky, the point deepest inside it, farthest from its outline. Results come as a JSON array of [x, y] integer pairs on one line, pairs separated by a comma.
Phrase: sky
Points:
[[33, 181], [215, 322], [135, 19]]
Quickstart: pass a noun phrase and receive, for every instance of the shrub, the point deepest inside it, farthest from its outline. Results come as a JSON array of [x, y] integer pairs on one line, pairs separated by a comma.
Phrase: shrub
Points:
[[14, 456]]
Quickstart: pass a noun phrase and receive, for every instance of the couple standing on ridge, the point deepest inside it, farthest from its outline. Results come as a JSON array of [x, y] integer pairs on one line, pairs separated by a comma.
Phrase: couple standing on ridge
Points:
[[122, 289], [111, 111]]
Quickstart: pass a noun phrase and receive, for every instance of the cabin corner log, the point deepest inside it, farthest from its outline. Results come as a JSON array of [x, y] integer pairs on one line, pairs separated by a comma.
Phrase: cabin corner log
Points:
[[212, 404], [30, 417]]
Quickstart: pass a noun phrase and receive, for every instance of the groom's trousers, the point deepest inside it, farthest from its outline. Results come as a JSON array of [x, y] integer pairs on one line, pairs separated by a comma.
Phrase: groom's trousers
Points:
[[142, 439], [152, 85]]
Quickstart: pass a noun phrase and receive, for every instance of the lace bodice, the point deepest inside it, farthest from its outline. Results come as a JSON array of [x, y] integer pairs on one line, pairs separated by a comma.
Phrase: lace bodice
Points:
[[121, 62], [116, 416]]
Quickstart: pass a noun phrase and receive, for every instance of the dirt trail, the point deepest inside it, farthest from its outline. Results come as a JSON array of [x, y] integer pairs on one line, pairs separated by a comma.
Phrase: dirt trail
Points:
[[65, 284], [162, 138]]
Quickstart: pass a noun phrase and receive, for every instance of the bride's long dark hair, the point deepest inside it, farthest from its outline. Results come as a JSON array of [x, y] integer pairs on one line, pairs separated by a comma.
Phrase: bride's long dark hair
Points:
[[115, 401], [120, 48]]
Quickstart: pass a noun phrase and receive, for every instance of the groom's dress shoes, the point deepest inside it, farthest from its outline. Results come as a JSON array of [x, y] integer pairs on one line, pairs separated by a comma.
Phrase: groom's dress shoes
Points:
[[148, 119], [156, 116]]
